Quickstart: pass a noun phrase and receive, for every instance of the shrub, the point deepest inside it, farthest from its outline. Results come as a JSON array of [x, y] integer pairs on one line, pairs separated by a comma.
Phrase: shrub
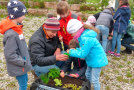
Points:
[[76, 1]]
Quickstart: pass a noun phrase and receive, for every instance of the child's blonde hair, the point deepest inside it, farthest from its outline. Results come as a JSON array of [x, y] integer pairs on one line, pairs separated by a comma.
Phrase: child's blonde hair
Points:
[[62, 7], [124, 2]]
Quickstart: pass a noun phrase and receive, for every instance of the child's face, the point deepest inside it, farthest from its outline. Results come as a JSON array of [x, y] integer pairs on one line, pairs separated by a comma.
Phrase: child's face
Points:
[[65, 14], [120, 2], [20, 19]]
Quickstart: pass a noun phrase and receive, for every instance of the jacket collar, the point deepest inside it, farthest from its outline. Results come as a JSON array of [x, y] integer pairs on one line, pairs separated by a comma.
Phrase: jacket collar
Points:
[[44, 35], [7, 24]]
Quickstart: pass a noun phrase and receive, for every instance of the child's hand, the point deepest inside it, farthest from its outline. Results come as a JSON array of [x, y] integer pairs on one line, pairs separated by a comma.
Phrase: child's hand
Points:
[[110, 38], [72, 48], [67, 50], [62, 74], [61, 38], [74, 75]]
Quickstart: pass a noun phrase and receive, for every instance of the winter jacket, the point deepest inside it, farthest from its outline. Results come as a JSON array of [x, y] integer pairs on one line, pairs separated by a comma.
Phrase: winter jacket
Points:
[[79, 65], [122, 17], [97, 15], [90, 49], [63, 27], [105, 18], [130, 31], [41, 49], [15, 49]]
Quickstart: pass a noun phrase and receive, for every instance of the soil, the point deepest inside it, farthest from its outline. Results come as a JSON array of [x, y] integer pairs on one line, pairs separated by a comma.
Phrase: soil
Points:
[[66, 80]]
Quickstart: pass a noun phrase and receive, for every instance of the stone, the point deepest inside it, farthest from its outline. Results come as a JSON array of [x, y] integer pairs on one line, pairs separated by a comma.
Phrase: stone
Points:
[[52, 11], [75, 7], [3, 3], [37, 11], [52, 5], [3, 12], [36, 4], [31, 4]]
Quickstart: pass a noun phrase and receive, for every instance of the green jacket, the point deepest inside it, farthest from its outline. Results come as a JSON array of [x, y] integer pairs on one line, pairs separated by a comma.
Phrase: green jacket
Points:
[[130, 30]]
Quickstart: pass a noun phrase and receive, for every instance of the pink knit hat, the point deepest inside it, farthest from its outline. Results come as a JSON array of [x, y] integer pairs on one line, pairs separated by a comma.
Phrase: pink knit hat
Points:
[[52, 24], [90, 20]]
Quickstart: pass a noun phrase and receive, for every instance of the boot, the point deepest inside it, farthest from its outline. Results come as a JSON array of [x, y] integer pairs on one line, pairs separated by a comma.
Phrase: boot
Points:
[[127, 51]]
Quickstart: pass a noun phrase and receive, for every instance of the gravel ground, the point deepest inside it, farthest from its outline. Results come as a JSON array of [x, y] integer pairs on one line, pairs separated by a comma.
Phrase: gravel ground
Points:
[[117, 75]]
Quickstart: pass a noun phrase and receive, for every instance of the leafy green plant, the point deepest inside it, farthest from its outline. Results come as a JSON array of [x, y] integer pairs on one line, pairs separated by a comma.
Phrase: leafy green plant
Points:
[[73, 86], [104, 3], [76, 1], [54, 73], [57, 82], [44, 78]]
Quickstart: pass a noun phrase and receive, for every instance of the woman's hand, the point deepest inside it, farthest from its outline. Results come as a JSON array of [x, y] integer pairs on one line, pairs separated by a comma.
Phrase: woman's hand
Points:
[[61, 57], [58, 51]]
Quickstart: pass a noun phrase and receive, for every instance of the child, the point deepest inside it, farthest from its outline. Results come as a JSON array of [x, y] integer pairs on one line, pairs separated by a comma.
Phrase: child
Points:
[[103, 24], [128, 39], [65, 16], [79, 65], [122, 17], [15, 48], [91, 21], [90, 49]]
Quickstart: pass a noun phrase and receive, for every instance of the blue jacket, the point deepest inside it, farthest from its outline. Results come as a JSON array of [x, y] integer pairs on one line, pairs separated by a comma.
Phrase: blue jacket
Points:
[[122, 17], [90, 49]]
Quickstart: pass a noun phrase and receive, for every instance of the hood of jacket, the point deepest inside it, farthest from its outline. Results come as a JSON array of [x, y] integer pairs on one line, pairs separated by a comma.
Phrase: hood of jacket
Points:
[[89, 33], [125, 10], [107, 11], [7, 24]]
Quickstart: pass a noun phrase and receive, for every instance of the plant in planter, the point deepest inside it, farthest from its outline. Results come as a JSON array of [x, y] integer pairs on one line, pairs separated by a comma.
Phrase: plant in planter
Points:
[[57, 82], [54, 73], [72, 86], [44, 78]]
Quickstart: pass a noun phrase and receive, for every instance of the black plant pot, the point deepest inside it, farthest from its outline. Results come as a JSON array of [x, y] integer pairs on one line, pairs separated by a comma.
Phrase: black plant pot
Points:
[[39, 85]]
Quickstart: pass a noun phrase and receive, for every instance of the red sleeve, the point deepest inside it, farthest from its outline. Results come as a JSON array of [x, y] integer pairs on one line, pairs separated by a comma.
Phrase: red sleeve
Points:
[[79, 18]]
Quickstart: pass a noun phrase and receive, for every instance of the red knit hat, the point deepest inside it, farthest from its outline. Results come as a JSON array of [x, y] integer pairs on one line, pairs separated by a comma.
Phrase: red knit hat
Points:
[[52, 24]]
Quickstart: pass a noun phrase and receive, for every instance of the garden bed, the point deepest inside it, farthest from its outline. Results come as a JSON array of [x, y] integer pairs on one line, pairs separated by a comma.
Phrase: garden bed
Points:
[[67, 83]]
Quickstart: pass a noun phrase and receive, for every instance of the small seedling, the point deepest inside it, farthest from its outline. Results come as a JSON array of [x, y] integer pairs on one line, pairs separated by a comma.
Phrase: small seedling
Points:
[[57, 82], [44, 78], [73, 86]]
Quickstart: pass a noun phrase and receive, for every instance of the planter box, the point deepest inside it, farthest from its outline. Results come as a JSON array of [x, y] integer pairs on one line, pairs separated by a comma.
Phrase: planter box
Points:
[[39, 85]]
